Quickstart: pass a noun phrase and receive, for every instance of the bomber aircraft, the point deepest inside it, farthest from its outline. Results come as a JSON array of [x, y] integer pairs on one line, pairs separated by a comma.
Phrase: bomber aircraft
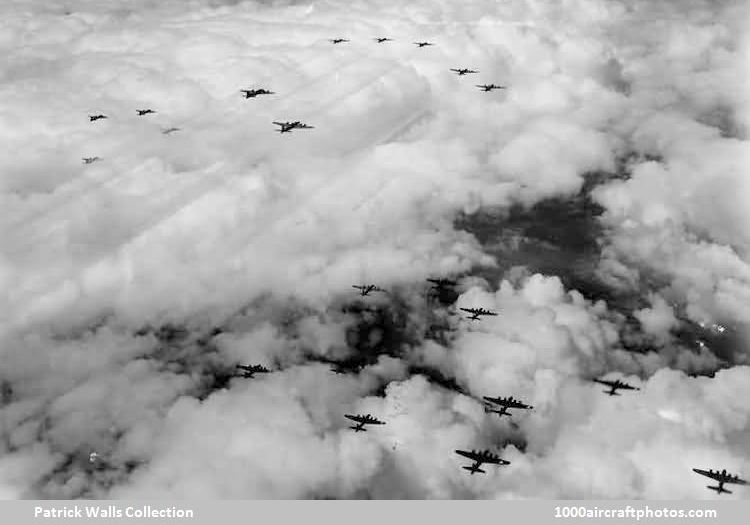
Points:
[[423, 44], [363, 420], [476, 312], [505, 403], [252, 93], [614, 386], [250, 370], [380, 40], [286, 127], [462, 72], [365, 289], [92, 118], [479, 457], [489, 87], [722, 477], [442, 283], [142, 112]]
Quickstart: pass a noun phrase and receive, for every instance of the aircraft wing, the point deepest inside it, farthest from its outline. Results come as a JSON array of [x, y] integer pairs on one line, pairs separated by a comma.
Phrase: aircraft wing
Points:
[[496, 461], [713, 475], [470, 455], [358, 419], [515, 403]]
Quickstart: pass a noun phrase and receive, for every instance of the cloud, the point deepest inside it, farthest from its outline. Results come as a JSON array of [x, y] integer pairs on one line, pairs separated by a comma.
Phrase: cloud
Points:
[[135, 284]]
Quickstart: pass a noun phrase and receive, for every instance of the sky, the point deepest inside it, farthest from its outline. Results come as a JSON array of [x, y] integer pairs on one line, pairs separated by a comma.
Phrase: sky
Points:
[[597, 203]]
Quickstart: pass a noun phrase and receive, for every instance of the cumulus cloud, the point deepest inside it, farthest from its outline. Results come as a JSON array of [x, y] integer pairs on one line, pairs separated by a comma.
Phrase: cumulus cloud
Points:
[[597, 204]]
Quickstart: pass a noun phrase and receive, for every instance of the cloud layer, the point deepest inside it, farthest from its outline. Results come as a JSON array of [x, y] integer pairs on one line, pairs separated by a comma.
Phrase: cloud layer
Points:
[[135, 284]]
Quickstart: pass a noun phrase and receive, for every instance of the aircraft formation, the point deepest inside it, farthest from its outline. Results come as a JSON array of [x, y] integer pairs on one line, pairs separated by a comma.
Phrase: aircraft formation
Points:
[[287, 126], [496, 405], [501, 407]]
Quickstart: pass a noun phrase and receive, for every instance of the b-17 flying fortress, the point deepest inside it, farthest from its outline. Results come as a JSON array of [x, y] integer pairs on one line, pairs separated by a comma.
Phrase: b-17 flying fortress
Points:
[[504, 403], [365, 289], [363, 420], [462, 72], [614, 386], [442, 283], [249, 371], [252, 93], [479, 458], [489, 87], [476, 313], [286, 127], [722, 477]]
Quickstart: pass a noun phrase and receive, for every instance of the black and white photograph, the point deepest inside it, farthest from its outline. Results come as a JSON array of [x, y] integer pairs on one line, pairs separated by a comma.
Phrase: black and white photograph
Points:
[[375, 250]]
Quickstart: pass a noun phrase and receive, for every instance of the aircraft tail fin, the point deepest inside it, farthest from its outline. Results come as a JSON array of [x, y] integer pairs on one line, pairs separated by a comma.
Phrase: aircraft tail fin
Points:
[[719, 489], [474, 470], [359, 429]]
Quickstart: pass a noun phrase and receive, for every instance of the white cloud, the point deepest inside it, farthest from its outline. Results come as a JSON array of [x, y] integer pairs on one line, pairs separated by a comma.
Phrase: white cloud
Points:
[[136, 283]]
